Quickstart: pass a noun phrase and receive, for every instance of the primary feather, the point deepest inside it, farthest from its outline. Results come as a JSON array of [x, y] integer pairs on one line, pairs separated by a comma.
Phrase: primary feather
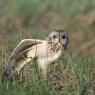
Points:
[[24, 44], [18, 55]]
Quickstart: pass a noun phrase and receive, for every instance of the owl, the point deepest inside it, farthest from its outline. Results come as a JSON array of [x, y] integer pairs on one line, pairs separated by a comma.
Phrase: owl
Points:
[[44, 51]]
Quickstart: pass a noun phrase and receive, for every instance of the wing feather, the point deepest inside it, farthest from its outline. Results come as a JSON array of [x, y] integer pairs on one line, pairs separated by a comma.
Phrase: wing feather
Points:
[[24, 44], [14, 63]]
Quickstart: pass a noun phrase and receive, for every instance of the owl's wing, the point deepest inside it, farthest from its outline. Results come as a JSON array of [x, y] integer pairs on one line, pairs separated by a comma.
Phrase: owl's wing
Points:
[[16, 61], [24, 44]]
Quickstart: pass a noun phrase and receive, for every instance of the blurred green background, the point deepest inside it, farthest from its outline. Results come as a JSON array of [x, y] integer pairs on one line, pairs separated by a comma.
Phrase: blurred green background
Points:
[[38, 17]]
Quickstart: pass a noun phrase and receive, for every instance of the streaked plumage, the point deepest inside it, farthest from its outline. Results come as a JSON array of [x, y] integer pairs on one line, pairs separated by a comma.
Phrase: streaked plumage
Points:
[[45, 51]]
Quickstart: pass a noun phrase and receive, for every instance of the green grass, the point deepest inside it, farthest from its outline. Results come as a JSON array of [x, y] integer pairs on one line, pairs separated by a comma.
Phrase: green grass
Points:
[[67, 76], [70, 74]]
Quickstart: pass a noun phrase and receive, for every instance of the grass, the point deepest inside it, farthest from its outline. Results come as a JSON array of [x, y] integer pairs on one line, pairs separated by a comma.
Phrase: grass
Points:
[[69, 76]]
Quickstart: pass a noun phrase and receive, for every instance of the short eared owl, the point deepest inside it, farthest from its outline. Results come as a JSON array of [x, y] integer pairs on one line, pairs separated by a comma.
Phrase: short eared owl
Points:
[[45, 51]]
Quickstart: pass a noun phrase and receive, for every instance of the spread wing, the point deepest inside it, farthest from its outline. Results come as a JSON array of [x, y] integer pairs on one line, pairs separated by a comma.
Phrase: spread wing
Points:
[[24, 44], [15, 62]]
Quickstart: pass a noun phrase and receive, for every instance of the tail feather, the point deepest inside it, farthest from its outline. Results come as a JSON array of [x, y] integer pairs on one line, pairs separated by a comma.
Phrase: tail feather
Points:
[[14, 66], [10, 69]]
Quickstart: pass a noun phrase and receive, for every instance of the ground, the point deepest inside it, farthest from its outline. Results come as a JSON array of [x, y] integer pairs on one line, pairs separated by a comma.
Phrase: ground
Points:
[[32, 18]]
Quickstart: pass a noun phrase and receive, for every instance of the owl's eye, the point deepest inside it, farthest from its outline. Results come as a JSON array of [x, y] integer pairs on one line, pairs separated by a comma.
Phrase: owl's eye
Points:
[[63, 37], [54, 36]]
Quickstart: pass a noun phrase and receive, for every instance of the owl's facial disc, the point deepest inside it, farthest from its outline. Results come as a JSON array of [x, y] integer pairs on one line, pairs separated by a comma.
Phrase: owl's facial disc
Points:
[[63, 38], [58, 37]]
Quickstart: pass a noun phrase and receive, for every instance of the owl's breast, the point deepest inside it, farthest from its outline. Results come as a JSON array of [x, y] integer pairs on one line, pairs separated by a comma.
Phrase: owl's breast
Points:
[[43, 61]]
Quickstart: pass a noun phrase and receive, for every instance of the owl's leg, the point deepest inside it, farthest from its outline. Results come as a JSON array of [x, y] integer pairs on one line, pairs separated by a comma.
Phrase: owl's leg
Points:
[[43, 72], [27, 60]]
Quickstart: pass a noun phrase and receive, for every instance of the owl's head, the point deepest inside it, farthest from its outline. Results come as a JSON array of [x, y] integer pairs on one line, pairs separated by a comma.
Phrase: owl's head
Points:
[[58, 36]]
